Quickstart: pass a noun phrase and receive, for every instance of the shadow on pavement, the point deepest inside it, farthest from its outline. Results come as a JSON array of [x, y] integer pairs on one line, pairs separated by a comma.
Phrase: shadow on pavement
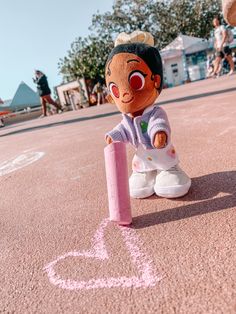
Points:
[[205, 189], [191, 97], [49, 125], [182, 99]]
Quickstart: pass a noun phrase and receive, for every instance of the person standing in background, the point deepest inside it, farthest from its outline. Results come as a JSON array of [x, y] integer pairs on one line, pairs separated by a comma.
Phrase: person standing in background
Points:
[[44, 92], [1, 123], [222, 47], [98, 89], [74, 99]]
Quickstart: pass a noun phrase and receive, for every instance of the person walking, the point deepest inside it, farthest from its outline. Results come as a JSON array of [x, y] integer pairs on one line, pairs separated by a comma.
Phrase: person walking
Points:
[[98, 89], [222, 48], [1, 123], [44, 92]]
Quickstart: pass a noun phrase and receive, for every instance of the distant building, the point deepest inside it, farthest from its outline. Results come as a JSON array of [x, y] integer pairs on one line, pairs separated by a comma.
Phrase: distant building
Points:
[[24, 98], [79, 87], [184, 59]]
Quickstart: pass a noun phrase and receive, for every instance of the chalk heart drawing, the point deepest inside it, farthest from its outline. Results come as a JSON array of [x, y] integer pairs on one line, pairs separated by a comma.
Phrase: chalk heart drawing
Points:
[[19, 162], [147, 274]]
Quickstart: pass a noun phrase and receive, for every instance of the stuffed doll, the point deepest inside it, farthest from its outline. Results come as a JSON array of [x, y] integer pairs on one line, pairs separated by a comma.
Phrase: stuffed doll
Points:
[[134, 78], [229, 11]]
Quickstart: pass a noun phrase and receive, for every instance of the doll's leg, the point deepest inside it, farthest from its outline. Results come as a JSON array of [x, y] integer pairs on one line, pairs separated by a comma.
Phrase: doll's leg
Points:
[[141, 184], [172, 183]]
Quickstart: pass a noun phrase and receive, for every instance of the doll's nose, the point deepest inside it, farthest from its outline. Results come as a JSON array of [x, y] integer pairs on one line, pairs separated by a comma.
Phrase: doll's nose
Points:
[[125, 94]]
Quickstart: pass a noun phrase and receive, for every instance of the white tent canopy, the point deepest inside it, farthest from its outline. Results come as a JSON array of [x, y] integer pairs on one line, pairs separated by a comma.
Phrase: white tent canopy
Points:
[[24, 97], [186, 44]]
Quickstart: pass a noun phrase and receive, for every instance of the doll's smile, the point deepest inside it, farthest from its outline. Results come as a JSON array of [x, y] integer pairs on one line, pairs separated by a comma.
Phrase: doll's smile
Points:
[[127, 101]]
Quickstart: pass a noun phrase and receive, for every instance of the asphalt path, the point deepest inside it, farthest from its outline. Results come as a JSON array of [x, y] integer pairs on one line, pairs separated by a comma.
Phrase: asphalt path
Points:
[[60, 254]]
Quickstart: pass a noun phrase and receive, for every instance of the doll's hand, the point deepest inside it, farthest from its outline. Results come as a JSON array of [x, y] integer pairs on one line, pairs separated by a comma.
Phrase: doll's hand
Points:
[[160, 139], [108, 140]]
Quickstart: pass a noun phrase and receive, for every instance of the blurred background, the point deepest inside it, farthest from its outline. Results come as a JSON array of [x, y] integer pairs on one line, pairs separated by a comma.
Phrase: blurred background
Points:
[[70, 41]]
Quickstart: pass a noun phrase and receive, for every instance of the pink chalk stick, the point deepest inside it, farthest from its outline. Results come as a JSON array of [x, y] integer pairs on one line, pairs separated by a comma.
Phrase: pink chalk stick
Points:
[[118, 183]]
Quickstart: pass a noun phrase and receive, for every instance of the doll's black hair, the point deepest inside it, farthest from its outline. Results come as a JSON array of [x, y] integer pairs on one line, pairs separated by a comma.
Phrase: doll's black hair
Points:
[[150, 55]]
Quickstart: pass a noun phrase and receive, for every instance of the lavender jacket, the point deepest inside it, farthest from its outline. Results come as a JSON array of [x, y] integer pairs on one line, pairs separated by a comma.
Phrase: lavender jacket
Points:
[[142, 129]]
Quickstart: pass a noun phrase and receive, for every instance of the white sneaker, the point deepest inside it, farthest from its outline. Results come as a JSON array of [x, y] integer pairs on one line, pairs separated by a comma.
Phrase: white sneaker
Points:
[[141, 184], [172, 183]]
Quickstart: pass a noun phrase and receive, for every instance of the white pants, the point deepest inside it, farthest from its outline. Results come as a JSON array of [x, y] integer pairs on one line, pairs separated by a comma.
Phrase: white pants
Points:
[[100, 98], [154, 159]]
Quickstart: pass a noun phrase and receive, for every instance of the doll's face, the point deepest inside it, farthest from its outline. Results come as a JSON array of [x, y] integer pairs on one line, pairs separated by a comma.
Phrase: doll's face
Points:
[[132, 85]]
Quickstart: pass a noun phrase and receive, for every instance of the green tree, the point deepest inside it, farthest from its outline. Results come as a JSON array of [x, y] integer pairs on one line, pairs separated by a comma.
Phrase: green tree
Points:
[[165, 19], [189, 17], [86, 58]]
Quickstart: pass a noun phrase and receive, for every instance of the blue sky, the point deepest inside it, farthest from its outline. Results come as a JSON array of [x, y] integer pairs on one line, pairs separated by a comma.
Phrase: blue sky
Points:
[[36, 34]]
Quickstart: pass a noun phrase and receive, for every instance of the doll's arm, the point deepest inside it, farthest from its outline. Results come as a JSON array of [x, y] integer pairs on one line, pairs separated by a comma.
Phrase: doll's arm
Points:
[[118, 134], [159, 128]]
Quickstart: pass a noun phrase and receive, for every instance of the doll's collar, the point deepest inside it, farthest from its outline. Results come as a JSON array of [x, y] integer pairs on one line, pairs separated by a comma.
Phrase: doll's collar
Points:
[[148, 109]]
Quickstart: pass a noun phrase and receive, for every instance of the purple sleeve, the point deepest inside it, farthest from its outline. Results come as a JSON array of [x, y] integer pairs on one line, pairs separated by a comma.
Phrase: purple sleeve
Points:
[[118, 134], [158, 122]]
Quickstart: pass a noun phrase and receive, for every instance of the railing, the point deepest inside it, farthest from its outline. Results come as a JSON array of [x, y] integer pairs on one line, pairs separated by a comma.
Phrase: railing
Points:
[[21, 112], [21, 116]]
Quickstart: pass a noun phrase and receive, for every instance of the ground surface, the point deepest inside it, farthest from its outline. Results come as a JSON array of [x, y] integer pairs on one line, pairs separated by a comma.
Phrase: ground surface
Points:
[[59, 255]]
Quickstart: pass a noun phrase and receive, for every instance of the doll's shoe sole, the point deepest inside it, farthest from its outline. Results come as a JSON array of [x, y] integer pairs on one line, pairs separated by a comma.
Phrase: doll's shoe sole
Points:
[[173, 191], [142, 193], [122, 223]]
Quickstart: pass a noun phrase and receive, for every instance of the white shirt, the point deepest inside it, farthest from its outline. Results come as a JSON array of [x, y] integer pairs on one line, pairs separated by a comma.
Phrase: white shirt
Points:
[[219, 34], [154, 159]]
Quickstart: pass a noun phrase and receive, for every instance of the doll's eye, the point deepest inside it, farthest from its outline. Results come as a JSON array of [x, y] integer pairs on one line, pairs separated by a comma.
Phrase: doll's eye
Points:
[[137, 80], [114, 90]]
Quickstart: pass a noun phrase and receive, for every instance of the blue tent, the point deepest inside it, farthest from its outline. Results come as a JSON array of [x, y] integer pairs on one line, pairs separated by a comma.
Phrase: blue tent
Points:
[[23, 98]]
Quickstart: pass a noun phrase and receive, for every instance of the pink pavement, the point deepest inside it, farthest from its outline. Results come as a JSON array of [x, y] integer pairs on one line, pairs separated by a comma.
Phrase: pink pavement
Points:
[[60, 254]]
